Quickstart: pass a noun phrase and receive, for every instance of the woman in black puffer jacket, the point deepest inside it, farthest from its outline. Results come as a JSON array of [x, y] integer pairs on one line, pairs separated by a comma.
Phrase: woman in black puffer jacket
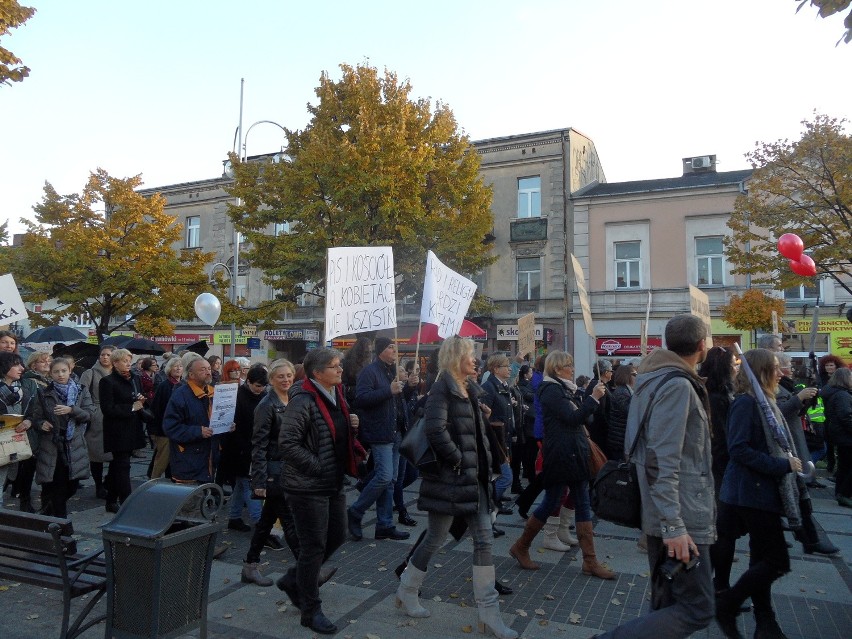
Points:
[[619, 405], [463, 443]]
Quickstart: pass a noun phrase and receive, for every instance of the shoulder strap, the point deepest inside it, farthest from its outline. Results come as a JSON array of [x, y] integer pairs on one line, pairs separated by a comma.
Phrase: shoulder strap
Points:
[[650, 405]]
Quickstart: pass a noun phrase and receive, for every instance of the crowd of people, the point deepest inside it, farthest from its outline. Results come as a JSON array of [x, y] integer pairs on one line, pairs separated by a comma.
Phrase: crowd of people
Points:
[[718, 458]]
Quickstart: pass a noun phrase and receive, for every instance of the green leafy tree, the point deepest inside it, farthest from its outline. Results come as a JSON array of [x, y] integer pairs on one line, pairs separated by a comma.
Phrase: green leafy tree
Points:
[[372, 168], [12, 16], [107, 254], [802, 187], [829, 8], [752, 310]]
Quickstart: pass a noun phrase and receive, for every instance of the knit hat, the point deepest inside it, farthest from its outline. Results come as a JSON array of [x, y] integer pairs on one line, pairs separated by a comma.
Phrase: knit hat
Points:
[[380, 344]]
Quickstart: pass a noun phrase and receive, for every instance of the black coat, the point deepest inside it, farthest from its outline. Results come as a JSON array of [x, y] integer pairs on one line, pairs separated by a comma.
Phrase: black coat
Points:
[[463, 444], [619, 405], [236, 446], [123, 429], [266, 456], [838, 414], [498, 397], [720, 403], [308, 445], [566, 447]]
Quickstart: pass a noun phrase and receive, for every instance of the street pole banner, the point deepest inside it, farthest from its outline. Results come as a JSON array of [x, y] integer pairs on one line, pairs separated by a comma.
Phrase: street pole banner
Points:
[[699, 305], [446, 297], [526, 335], [11, 305], [359, 290], [580, 280]]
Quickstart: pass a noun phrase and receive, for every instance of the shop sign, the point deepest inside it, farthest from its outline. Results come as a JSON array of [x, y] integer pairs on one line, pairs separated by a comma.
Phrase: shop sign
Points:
[[626, 346], [284, 334], [249, 331], [253, 342], [509, 332], [224, 337], [186, 338], [824, 326]]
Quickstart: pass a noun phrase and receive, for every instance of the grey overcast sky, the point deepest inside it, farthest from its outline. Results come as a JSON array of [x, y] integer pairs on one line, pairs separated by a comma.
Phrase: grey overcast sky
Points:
[[152, 86]]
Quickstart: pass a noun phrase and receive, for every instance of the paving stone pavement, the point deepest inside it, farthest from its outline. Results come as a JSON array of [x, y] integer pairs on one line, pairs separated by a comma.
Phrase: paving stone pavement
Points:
[[813, 602]]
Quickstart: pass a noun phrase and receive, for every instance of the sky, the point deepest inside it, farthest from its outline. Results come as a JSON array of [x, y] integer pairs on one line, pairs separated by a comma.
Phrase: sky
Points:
[[152, 87]]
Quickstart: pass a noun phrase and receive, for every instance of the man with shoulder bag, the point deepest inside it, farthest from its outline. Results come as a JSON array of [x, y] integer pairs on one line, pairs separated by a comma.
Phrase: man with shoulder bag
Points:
[[673, 463]]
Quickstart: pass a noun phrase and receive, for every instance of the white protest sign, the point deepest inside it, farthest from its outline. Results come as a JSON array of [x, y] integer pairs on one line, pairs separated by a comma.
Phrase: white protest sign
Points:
[[699, 305], [359, 290], [580, 280], [446, 297], [224, 407], [11, 305]]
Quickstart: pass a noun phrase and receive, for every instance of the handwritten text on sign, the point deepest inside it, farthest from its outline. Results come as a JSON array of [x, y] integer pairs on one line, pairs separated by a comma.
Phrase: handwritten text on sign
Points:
[[360, 293], [446, 297]]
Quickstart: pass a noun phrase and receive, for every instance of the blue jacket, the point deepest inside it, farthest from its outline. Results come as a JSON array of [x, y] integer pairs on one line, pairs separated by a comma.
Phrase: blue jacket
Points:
[[538, 426], [376, 406], [192, 457], [751, 478]]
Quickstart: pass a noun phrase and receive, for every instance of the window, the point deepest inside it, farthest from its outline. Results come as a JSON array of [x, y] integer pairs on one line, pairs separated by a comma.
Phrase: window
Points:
[[281, 228], [710, 261], [193, 232], [529, 197], [803, 293], [529, 278], [83, 320], [627, 265]]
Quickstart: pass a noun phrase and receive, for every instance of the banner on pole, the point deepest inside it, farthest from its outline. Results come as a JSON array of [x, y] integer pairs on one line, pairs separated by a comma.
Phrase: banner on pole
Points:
[[699, 305], [580, 280], [359, 290], [11, 305], [446, 297]]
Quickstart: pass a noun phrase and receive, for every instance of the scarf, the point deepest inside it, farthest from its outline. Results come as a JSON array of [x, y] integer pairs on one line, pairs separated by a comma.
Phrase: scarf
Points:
[[68, 393], [788, 485], [203, 393]]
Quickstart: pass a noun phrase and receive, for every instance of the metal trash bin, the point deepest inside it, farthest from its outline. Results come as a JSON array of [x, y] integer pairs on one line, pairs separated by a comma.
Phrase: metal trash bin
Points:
[[159, 551]]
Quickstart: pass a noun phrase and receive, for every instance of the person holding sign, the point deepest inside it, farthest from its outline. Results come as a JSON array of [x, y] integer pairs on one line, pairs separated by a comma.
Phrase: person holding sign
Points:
[[384, 414], [193, 448]]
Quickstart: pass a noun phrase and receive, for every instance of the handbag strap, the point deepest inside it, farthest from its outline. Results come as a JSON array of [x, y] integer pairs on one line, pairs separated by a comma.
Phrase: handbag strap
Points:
[[650, 405]]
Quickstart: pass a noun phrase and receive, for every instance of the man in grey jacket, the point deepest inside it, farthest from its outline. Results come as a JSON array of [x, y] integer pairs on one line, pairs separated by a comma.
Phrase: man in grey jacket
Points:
[[673, 464]]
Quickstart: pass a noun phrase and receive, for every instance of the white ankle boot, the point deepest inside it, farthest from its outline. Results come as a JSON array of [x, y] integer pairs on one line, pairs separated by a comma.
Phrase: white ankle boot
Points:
[[408, 593], [488, 606], [551, 536], [566, 522]]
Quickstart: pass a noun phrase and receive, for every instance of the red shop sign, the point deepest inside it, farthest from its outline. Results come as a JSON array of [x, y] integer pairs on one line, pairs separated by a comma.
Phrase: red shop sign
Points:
[[628, 346]]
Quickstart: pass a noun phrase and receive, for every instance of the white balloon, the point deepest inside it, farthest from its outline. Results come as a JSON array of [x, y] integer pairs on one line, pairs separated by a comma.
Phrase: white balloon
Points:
[[208, 308]]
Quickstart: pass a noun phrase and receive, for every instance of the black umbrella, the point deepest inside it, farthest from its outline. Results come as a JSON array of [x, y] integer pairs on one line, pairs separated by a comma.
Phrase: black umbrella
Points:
[[117, 340], [200, 347], [84, 354], [55, 334], [142, 346]]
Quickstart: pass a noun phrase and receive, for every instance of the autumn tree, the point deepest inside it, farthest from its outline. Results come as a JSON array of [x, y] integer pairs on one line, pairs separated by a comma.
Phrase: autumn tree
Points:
[[373, 167], [12, 16], [107, 254], [829, 8], [752, 310], [802, 187]]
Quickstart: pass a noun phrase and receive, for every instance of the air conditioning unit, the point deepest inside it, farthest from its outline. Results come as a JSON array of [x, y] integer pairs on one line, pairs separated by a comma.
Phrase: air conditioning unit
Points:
[[703, 162]]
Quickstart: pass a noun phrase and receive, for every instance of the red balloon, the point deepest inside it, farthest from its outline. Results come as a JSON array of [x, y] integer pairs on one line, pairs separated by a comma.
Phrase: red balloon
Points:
[[804, 267], [791, 246]]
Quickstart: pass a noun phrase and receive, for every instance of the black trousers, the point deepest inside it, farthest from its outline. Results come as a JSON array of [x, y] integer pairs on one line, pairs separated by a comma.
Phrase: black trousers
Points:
[[321, 528], [274, 507], [118, 477], [844, 471], [60, 490]]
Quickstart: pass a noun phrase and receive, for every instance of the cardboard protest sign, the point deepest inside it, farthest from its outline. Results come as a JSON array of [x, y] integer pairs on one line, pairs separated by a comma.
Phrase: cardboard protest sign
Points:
[[359, 290], [580, 279], [11, 305], [446, 297], [526, 334], [699, 305]]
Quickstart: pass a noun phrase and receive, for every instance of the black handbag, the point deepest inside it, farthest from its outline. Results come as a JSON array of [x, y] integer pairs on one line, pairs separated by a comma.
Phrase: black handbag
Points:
[[417, 450], [615, 490]]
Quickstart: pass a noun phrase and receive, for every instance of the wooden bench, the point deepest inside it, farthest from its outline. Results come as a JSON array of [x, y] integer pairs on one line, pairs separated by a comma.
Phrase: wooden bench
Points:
[[41, 551]]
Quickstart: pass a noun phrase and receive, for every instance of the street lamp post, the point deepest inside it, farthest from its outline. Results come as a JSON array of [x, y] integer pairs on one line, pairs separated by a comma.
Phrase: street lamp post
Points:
[[232, 277]]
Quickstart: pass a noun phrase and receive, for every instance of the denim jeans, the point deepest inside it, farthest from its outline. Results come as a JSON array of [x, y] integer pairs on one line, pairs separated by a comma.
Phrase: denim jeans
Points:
[[321, 528], [553, 497], [503, 481], [241, 497], [439, 525], [406, 475], [379, 490], [694, 602]]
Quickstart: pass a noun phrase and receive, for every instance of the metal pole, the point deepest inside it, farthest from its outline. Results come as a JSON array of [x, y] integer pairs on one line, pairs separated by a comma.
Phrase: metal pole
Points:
[[235, 269]]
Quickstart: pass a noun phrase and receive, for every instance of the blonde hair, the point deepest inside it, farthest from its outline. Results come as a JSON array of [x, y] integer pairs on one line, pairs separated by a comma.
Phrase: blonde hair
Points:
[[556, 360], [496, 361], [36, 356], [451, 353], [762, 364], [119, 354], [281, 363]]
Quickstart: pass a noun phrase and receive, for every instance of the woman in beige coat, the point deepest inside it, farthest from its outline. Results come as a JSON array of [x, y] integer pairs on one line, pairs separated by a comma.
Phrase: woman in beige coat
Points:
[[91, 379]]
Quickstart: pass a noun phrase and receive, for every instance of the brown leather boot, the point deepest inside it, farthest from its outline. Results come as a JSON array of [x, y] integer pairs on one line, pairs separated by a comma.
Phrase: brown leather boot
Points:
[[591, 566], [520, 550]]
